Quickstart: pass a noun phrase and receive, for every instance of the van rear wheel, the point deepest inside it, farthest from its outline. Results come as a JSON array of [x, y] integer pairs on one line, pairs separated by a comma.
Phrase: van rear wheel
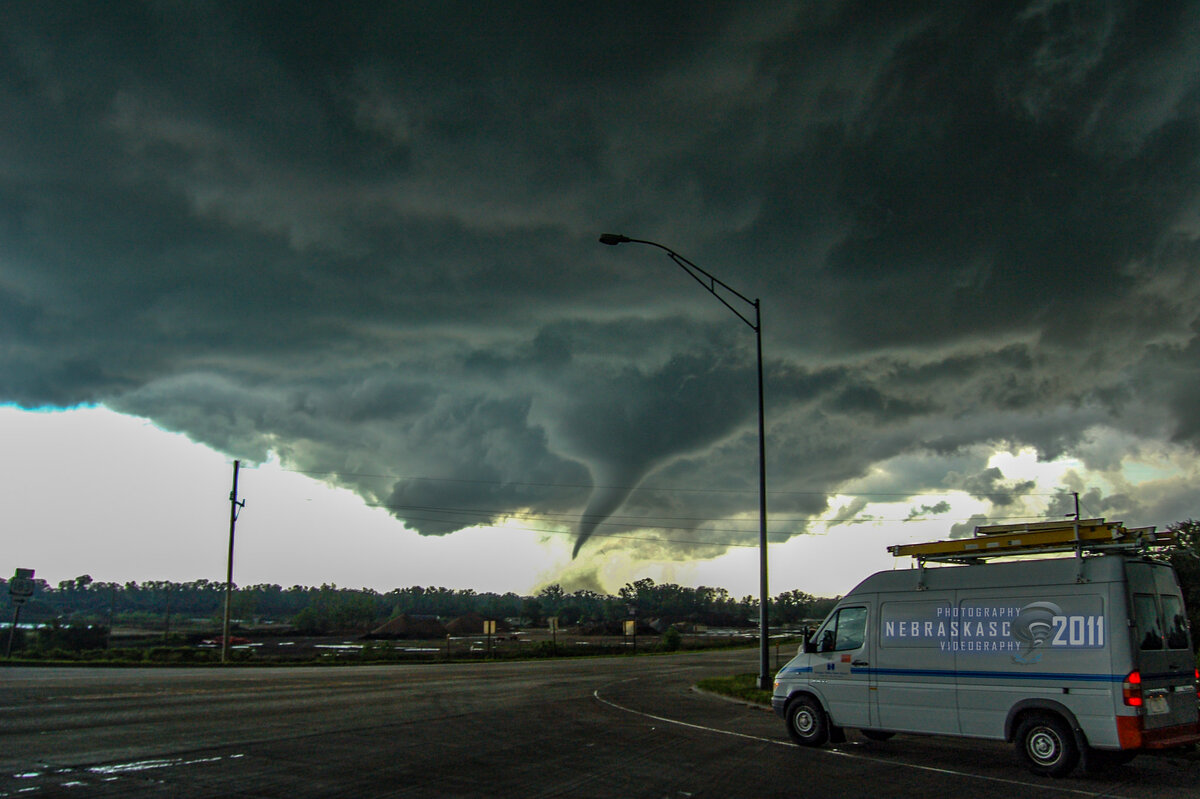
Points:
[[807, 723], [1046, 745]]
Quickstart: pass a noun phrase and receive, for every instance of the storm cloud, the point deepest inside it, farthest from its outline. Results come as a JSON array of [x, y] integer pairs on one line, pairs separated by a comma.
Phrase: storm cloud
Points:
[[362, 237]]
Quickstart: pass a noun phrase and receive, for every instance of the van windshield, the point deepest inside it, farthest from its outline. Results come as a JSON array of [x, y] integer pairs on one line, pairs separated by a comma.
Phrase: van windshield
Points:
[[844, 630]]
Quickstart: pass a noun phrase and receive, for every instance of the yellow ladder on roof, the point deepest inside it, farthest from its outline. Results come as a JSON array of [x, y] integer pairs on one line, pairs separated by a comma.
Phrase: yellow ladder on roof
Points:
[[1044, 537]]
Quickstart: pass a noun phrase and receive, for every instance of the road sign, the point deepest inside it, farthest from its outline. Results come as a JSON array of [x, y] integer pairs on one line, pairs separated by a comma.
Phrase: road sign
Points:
[[20, 587]]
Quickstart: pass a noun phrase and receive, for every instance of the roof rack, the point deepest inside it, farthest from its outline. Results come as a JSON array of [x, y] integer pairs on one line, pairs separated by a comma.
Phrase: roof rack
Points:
[[1078, 536]]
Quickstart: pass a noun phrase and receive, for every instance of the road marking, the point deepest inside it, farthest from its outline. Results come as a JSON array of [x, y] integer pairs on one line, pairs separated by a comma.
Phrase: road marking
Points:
[[852, 755]]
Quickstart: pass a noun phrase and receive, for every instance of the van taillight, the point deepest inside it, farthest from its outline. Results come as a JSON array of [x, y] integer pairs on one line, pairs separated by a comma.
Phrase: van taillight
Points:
[[1131, 689], [1198, 683]]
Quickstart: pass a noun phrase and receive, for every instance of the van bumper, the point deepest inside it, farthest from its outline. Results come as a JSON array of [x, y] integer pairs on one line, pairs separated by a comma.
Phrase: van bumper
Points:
[[779, 705], [1132, 736]]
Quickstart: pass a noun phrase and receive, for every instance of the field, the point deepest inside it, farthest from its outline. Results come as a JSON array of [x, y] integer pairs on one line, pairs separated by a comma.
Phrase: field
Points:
[[281, 645]]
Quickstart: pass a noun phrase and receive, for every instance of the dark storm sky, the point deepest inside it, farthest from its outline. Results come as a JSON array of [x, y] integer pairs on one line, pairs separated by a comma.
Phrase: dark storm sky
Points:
[[364, 236]]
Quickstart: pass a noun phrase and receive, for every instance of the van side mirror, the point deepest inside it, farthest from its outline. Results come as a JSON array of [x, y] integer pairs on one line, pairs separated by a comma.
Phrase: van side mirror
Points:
[[806, 644]]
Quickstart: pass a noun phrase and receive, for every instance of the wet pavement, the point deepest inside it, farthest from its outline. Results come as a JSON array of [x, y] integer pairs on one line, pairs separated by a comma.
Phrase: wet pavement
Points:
[[596, 727]]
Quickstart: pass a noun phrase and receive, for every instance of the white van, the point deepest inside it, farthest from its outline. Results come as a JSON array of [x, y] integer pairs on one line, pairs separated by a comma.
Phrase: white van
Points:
[[1087, 656]]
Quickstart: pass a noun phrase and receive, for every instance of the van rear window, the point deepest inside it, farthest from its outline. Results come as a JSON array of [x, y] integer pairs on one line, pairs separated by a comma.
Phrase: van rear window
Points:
[[1158, 627], [1149, 630], [1174, 622], [1159, 617]]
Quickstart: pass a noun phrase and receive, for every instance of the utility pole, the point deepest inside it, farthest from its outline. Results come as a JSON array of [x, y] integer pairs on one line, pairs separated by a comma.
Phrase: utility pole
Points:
[[167, 620], [234, 507], [112, 612]]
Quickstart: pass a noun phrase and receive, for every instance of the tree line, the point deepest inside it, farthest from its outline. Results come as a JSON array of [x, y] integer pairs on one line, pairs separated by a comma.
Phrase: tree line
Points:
[[329, 608]]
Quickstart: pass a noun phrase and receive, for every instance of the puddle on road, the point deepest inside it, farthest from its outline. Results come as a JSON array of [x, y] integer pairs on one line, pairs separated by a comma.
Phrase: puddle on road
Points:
[[147, 765], [29, 783]]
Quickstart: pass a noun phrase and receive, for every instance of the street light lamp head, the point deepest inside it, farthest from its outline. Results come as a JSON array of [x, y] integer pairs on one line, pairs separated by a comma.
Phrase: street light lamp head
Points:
[[613, 239]]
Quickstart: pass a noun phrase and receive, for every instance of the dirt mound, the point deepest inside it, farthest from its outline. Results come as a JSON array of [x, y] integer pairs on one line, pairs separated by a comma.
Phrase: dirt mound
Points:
[[405, 626]]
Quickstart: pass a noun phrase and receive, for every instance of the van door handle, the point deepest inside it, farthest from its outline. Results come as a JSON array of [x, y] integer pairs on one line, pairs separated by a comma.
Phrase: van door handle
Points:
[[860, 663]]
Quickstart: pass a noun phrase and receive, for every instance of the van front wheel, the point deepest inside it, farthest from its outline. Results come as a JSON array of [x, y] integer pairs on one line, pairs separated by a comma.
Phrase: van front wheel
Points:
[[807, 723], [1047, 745]]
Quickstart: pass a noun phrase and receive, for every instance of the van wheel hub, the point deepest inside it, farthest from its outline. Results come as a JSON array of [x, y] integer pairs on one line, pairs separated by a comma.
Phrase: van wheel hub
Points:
[[1045, 743], [1044, 746]]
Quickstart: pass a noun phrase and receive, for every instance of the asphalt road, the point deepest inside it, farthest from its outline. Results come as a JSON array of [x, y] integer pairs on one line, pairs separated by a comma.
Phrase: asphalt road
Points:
[[605, 727]]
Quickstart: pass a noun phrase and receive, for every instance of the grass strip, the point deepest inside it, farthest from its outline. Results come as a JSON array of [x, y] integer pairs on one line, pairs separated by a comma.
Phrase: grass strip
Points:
[[738, 686]]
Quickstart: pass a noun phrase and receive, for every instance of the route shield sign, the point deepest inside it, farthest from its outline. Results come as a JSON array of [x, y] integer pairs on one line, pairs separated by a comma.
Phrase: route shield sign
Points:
[[20, 587]]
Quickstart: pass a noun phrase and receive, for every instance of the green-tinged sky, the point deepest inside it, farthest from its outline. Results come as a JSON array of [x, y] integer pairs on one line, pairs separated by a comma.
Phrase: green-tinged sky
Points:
[[355, 245]]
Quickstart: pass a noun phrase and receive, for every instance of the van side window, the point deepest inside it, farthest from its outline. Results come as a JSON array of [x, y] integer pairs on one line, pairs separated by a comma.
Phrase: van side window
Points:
[[845, 630], [923, 624], [1174, 622], [1145, 612]]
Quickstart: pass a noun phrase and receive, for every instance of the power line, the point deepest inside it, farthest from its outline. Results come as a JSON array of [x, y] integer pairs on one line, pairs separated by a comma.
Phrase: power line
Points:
[[599, 533], [477, 516], [657, 540], [661, 489], [649, 521], [689, 542]]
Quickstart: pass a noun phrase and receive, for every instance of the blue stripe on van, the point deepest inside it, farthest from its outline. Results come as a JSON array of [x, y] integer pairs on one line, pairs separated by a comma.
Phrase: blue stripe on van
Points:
[[997, 675], [992, 675], [798, 670]]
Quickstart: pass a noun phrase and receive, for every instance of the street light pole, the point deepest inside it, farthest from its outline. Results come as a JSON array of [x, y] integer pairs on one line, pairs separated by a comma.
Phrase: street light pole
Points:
[[711, 284]]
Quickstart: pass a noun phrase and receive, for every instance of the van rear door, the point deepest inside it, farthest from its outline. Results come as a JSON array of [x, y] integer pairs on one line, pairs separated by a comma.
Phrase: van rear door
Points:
[[1162, 646]]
